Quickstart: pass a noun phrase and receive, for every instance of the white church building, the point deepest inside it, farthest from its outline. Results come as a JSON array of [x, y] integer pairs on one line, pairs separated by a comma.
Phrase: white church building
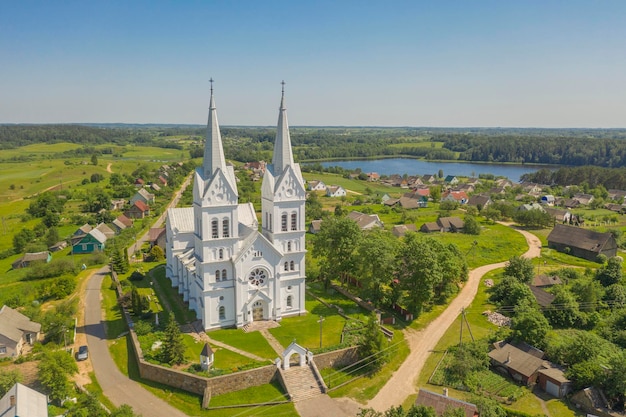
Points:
[[229, 271]]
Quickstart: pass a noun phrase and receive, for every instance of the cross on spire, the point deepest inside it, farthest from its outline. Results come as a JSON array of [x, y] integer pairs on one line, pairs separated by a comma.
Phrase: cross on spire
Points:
[[283, 84], [211, 81]]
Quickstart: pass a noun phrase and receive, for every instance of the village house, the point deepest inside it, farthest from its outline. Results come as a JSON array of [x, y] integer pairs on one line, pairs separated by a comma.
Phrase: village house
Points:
[[22, 401], [122, 222], [373, 176], [531, 188], [441, 403], [335, 191], [156, 237], [559, 215], [553, 381], [480, 201], [548, 200], [365, 221], [92, 242], [457, 196], [531, 206], [430, 227], [429, 179], [522, 366], [106, 230], [80, 233], [138, 210], [402, 229], [118, 204], [315, 185], [162, 180], [59, 246], [467, 188], [451, 224], [315, 226], [29, 258], [16, 332], [584, 199], [451, 180], [155, 187], [139, 182], [616, 194], [543, 280], [144, 196], [503, 183], [543, 298], [583, 243]]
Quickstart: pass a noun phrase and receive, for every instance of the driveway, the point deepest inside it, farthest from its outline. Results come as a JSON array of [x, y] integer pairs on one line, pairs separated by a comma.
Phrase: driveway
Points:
[[116, 386]]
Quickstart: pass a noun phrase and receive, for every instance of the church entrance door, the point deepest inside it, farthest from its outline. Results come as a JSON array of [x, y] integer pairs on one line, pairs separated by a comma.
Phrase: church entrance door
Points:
[[257, 311]]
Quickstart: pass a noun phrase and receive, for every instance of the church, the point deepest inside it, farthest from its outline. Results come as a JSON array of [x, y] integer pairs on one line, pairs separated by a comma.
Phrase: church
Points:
[[230, 271]]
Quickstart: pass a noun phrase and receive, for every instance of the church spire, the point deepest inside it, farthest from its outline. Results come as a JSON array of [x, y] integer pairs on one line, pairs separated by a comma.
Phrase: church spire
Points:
[[283, 156], [213, 151]]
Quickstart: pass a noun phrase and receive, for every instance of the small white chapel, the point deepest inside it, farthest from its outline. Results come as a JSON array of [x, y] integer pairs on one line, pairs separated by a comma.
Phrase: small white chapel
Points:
[[230, 271]]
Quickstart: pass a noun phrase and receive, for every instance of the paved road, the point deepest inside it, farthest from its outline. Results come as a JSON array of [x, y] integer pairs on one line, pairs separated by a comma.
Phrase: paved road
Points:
[[116, 386], [402, 383]]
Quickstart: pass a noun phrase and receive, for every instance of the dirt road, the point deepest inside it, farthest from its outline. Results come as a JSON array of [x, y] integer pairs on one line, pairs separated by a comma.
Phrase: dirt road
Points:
[[402, 383]]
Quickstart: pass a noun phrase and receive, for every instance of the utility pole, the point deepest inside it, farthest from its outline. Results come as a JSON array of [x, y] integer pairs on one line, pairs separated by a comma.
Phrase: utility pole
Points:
[[320, 321]]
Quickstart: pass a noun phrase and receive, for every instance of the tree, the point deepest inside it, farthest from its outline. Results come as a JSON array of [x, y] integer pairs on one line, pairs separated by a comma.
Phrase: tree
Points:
[[491, 214], [510, 292], [375, 257], [87, 406], [421, 411], [563, 312], [94, 159], [611, 273], [8, 379], [52, 236], [119, 261], [373, 344], [419, 272], [313, 207], [157, 254], [173, 349], [614, 384], [54, 371], [335, 245], [471, 226], [530, 326], [435, 192], [520, 268], [534, 218], [22, 238]]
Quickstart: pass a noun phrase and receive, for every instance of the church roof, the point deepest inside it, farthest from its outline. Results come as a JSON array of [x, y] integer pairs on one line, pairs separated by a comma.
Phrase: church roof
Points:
[[181, 219], [247, 215], [213, 151]]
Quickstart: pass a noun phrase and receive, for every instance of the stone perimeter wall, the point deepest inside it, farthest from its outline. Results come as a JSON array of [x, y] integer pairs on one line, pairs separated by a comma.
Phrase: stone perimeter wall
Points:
[[195, 384], [336, 358]]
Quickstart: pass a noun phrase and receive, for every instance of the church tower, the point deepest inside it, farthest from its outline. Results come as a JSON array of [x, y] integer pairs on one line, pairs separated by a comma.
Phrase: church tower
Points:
[[283, 201], [215, 203]]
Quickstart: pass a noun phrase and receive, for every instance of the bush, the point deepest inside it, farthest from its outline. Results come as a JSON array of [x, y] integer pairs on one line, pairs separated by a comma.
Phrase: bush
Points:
[[143, 328], [136, 276], [54, 268]]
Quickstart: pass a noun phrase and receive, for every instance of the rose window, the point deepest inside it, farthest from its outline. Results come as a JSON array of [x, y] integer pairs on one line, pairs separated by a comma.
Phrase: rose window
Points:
[[257, 277]]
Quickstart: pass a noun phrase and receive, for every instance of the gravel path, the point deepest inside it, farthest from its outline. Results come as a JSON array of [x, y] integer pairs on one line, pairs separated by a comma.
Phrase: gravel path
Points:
[[403, 381]]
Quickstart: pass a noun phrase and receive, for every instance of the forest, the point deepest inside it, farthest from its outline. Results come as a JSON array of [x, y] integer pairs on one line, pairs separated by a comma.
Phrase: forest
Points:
[[571, 147]]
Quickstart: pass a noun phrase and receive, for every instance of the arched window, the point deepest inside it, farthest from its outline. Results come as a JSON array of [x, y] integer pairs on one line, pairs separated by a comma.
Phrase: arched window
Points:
[[225, 228], [294, 221], [224, 276], [283, 223], [220, 254], [222, 311], [289, 246], [217, 275], [286, 266], [289, 301], [214, 231], [292, 266]]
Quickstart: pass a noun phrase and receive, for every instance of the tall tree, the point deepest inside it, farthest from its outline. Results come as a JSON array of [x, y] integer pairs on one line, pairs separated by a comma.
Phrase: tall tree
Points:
[[373, 344], [54, 371], [376, 255], [9, 378], [520, 268], [419, 272], [335, 245], [173, 349], [611, 273], [530, 326]]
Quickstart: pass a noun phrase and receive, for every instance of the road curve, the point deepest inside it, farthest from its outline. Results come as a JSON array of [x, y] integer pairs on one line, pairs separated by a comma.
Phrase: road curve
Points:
[[402, 382], [116, 386]]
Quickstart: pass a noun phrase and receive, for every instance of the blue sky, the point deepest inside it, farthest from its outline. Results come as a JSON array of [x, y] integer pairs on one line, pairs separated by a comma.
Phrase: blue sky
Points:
[[358, 63]]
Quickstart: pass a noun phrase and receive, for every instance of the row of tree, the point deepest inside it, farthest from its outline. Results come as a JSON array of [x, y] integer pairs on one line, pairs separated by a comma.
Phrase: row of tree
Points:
[[417, 271]]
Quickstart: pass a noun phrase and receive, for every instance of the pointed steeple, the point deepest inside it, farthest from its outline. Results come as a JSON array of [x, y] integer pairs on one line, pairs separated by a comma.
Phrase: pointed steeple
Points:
[[213, 151], [283, 156]]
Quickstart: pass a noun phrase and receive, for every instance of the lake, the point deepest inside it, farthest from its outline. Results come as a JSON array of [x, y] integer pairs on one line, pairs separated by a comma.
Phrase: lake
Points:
[[420, 167]]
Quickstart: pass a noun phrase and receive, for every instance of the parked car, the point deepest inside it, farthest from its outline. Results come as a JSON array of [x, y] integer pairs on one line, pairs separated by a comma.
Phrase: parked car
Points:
[[83, 353]]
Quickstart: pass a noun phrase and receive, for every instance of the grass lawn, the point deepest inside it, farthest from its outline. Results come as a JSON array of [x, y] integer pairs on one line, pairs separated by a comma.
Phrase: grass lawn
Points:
[[170, 295], [252, 342]]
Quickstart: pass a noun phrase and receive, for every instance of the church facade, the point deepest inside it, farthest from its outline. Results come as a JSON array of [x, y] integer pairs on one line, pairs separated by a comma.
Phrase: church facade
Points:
[[231, 271]]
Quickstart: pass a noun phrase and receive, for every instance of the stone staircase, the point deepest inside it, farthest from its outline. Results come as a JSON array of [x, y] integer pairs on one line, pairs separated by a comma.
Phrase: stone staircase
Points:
[[301, 383]]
